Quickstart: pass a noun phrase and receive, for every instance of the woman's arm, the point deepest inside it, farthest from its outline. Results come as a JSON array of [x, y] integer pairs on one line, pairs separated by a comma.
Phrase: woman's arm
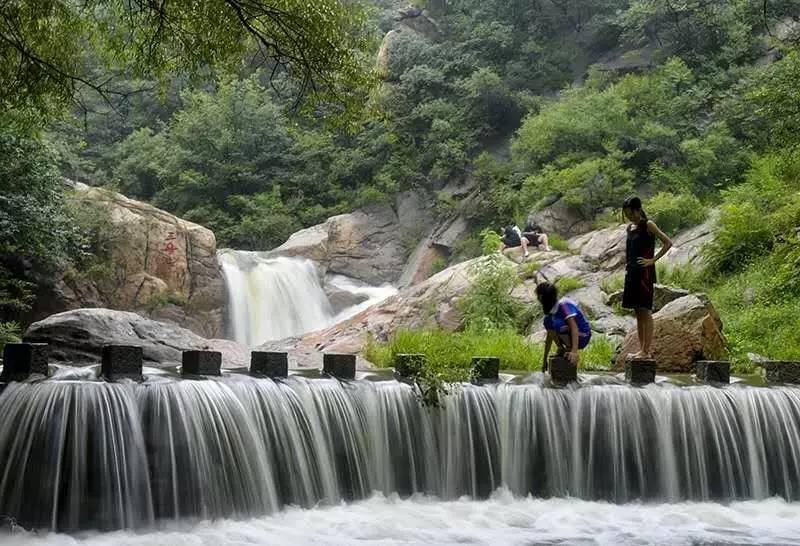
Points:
[[666, 244], [547, 344], [573, 355]]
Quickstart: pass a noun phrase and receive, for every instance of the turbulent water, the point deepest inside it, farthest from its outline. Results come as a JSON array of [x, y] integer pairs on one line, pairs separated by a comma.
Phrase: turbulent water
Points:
[[276, 298], [502, 520], [88, 454]]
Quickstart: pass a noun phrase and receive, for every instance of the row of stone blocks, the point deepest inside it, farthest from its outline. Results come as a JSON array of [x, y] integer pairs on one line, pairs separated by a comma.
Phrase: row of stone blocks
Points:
[[21, 360]]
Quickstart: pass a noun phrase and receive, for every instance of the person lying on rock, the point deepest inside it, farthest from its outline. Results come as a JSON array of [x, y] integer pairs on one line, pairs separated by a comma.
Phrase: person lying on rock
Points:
[[565, 323], [640, 270], [514, 237]]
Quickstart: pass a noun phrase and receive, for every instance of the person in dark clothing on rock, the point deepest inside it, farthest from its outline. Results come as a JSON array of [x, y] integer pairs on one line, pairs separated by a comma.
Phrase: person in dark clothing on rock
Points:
[[514, 237], [640, 270]]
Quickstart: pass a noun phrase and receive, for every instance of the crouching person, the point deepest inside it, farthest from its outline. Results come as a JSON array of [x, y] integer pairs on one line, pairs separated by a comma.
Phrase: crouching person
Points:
[[565, 323]]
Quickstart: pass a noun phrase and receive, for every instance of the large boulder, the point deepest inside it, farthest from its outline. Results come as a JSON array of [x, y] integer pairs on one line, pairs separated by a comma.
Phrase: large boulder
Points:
[[159, 265], [603, 248], [562, 219], [371, 245], [77, 338], [685, 331]]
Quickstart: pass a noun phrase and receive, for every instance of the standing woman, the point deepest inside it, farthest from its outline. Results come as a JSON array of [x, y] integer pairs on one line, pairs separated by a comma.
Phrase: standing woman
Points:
[[640, 270]]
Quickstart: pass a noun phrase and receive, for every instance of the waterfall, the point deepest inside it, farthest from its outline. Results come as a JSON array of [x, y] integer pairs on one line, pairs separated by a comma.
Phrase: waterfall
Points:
[[85, 453], [276, 298]]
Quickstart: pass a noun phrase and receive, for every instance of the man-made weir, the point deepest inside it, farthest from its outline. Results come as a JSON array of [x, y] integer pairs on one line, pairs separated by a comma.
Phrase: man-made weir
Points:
[[81, 453]]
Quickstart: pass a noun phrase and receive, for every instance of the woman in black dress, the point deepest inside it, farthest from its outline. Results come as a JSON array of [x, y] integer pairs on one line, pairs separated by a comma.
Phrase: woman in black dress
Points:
[[640, 270]]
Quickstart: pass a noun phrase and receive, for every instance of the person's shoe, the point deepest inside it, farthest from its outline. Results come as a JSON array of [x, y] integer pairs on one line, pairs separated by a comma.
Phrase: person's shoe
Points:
[[526, 255], [547, 249]]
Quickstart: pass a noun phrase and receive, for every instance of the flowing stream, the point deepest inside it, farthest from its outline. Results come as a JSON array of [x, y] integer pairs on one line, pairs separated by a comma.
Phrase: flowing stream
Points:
[[276, 298], [85, 454]]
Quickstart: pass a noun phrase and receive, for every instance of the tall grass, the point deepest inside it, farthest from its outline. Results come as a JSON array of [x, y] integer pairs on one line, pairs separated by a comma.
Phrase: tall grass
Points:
[[451, 353]]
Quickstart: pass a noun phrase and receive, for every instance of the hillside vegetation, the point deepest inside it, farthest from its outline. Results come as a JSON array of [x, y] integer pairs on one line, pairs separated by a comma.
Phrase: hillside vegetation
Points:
[[693, 104]]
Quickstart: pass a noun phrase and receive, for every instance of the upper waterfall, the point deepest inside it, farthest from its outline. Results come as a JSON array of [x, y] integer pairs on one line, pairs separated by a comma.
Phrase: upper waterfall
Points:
[[275, 298]]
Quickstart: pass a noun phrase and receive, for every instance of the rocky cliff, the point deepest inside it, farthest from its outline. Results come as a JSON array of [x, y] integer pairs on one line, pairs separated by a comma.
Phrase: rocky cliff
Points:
[[157, 265]]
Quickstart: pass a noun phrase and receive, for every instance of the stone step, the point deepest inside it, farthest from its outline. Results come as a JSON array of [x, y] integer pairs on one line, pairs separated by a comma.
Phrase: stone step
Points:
[[640, 371], [485, 368], [562, 370], [269, 364], [201, 363], [341, 366], [20, 360], [713, 371], [781, 371], [122, 362]]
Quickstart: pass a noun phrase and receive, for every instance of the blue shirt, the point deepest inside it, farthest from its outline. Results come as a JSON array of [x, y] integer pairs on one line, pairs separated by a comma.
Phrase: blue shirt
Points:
[[557, 318]]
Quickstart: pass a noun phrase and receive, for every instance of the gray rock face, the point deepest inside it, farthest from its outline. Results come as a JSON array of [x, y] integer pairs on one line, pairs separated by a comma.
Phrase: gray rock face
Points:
[[371, 245], [603, 248], [77, 337], [562, 219], [688, 245]]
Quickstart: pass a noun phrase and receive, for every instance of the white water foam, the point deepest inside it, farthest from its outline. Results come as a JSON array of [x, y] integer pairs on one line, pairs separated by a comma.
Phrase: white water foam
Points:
[[502, 519]]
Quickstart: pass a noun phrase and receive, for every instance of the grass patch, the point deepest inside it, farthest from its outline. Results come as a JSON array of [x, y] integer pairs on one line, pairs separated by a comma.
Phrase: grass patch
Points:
[[528, 270], [680, 276], [612, 284], [163, 299], [756, 317], [558, 243], [568, 284], [450, 353]]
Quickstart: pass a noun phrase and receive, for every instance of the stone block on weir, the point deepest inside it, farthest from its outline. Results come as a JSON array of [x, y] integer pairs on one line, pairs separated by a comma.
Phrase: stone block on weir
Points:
[[562, 370], [20, 360], [485, 368], [339, 365], [408, 365], [640, 371], [713, 371], [269, 364], [121, 362], [201, 363], [781, 371]]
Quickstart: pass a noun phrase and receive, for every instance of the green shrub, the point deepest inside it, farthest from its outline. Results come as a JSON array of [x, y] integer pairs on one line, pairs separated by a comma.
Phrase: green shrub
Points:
[[566, 285], [438, 264], [558, 243], [613, 283], [488, 304], [598, 355], [163, 299], [528, 270], [680, 276], [10, 332], [673, 213], [490, 241]]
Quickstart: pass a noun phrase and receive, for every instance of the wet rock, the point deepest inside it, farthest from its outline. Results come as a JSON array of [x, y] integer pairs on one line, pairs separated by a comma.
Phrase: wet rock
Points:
[[78, 337]]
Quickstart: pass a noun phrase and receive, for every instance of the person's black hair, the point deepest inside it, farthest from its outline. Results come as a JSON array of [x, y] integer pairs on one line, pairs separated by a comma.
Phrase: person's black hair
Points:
[[547, 294], [634, 203]]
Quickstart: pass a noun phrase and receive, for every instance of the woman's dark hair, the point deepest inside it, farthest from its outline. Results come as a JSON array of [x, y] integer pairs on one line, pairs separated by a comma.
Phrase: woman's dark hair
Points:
[[634, 203], [547, 294]]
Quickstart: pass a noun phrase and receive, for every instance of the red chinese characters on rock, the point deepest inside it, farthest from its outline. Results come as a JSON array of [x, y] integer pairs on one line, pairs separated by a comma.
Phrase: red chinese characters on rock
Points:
[[170, 247]]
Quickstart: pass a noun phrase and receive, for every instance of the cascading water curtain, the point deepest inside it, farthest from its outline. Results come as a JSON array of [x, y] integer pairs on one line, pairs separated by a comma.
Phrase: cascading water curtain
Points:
[[89, 454]]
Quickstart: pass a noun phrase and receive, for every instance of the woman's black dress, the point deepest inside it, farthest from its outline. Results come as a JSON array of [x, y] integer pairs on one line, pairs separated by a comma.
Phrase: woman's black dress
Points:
[[639, 280]]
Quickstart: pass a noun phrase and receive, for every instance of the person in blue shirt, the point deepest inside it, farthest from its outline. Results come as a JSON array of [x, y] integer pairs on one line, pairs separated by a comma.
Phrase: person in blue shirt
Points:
[[565, 323]]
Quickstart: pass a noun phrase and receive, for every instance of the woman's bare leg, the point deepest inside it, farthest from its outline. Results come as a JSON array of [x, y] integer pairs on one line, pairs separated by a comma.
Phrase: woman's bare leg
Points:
[[524, 241], [647, 342], [640, 332], [545, 240]]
